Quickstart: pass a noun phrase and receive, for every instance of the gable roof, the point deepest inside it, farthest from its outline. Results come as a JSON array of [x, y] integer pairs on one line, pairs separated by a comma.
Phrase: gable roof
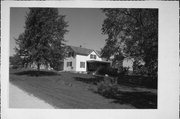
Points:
[[83, 51], [98, 52]]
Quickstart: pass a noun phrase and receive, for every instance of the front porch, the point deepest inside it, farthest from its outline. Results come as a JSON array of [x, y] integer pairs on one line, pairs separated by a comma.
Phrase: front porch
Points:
[[93, 65]]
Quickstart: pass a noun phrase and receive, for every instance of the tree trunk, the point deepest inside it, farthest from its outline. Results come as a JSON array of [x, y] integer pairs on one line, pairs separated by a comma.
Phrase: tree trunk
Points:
[[38, 69]]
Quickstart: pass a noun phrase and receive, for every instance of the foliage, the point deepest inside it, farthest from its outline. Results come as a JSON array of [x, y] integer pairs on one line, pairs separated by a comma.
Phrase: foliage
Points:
[[57, 65], [42, 42], [132, 33], [107, 89], [16, 61]]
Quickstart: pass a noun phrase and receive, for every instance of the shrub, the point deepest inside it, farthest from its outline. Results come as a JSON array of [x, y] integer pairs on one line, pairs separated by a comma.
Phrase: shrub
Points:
[[123, 71], [108, 90]]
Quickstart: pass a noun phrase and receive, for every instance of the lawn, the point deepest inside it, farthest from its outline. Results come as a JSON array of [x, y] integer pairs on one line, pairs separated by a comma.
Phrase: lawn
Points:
[[79, 91]]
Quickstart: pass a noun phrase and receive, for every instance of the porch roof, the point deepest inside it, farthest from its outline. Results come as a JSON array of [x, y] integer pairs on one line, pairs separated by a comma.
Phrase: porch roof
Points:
[[98, 61]]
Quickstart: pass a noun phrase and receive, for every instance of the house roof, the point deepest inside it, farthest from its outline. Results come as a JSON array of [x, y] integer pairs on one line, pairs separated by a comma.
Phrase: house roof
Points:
[[98, 61], [83, 51]]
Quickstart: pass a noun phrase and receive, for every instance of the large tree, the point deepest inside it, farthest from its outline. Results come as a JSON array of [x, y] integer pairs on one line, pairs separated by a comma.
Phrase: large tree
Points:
[[42, 42], [132, 33]]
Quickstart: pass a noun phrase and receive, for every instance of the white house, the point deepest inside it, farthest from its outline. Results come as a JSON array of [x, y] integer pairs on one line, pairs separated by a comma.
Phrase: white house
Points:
[[82, 59]]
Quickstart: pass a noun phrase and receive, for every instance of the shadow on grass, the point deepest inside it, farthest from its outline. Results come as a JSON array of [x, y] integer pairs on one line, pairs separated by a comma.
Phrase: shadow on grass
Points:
[[54, 94], [142, 100], [93, 81], [36, 73], [139, 81], [138, 99]]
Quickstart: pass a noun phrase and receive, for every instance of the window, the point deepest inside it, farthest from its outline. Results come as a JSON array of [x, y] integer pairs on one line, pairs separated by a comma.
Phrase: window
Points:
[[71, 54], [92, 56], [69, 64], [82, 64]]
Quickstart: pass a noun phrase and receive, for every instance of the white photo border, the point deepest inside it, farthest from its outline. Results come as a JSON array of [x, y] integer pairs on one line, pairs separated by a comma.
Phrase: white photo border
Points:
[[168, 63]]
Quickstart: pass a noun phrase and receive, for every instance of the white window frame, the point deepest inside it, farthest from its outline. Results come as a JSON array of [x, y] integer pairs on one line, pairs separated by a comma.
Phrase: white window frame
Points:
[[93, 56], [82, 66], [69, 64]]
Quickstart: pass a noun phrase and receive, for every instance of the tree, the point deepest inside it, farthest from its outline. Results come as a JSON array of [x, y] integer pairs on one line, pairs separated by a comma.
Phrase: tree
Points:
[[16, 61], [132, 33], [42, 42]]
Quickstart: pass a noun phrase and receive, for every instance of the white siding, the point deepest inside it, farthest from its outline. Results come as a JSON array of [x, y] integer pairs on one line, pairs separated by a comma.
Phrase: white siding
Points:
[[80, 58], [34, 66], [128, 63], [97, 57], [70, 59], [83, 58]]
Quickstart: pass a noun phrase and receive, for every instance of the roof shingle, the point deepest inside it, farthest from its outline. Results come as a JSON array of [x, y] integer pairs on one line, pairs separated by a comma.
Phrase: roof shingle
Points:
[[83, 51]]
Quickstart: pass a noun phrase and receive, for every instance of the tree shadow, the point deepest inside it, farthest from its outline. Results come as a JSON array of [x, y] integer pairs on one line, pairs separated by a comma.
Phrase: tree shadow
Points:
[[138, 81], [95, 80], [126, 95], [36, 73], [141, 100]]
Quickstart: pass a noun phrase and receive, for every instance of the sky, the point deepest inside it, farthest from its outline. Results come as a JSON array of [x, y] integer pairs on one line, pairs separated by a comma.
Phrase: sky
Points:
[[84, 27]]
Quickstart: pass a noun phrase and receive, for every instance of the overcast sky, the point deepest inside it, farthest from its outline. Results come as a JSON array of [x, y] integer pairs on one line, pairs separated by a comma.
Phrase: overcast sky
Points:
[[84, 26]]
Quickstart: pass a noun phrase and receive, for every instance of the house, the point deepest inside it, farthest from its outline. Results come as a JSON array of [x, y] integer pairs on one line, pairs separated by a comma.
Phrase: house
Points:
[[34, 66], [83, 60]]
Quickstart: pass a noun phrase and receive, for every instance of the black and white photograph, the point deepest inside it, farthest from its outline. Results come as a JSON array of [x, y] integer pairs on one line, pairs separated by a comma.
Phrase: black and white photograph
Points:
[[84, 58], [99, 59]]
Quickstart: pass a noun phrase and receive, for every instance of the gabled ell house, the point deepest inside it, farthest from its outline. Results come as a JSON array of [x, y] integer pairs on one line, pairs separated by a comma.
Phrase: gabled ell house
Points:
[[83, 60]]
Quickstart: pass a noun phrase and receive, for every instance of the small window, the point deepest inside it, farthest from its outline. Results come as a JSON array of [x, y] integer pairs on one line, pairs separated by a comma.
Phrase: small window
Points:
[[71, 54], [91, 56], [82, 64], [69, 64], [94, 56]]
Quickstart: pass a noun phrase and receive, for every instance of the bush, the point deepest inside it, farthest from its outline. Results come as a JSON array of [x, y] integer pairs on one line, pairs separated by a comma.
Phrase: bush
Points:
[[108, 90], [123, 71], [14, 67]]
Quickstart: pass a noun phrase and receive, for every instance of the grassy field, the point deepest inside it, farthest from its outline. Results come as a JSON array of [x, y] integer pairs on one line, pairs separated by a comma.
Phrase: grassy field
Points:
[[73, 90]]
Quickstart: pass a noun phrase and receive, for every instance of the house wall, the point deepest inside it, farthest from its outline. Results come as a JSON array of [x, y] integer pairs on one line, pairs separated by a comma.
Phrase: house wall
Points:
[[97, 57], [128, 63], [70, 59], [34, 66], [83, 58], [80, 58]]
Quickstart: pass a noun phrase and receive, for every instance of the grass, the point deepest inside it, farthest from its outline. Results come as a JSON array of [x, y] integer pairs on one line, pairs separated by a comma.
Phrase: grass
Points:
[[73, 90]]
